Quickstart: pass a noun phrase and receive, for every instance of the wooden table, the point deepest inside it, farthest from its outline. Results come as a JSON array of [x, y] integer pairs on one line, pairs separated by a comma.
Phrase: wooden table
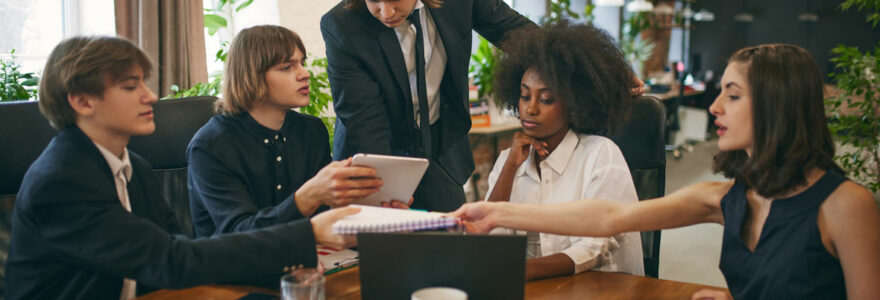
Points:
[[587, 285]]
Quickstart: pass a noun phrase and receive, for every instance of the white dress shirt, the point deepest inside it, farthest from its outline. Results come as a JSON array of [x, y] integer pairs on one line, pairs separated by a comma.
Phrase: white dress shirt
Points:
[[435, 60], [121, 170], [582, 167]]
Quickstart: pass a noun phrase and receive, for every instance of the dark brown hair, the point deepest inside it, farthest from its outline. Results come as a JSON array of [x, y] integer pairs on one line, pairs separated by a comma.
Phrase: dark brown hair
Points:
[[360, 3], [790, 130], [580, 64], [85, 65], [252, 52]]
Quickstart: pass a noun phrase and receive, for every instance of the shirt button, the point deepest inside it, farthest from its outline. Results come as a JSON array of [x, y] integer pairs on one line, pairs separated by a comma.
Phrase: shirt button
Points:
[[266, 141], [284, 139], [278, 158], [276, 136], [278, 187]]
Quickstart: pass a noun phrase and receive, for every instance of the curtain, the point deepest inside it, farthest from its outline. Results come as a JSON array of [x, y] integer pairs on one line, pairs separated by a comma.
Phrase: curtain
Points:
[[172, 33]]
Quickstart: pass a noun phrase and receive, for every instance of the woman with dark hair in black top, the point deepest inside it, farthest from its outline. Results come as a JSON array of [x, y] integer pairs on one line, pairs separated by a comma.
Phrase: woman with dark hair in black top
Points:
[[794, 226]]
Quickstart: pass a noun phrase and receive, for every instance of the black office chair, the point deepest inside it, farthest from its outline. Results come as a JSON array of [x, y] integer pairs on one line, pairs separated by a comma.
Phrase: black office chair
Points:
[[24, 133], [177, 120], [641, 139]]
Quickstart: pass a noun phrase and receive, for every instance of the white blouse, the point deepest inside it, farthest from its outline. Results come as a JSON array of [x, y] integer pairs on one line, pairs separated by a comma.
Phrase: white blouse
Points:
[[582, 167]]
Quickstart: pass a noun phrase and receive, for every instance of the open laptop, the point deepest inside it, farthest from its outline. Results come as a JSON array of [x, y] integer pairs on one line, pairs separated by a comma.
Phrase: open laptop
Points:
[[394, 265]]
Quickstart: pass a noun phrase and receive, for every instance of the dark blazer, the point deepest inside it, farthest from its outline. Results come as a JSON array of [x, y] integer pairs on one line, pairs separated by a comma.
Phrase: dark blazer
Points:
[[72, 239], [371, 91], [236, 165]]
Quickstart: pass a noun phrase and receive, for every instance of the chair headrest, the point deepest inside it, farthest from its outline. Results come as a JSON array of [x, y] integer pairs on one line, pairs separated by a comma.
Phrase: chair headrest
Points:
[[641, 138], [24, 133], [177, 120]]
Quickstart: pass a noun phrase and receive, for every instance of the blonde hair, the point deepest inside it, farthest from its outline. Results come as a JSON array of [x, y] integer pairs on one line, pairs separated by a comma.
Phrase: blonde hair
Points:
[[252, 52], [85, 65]]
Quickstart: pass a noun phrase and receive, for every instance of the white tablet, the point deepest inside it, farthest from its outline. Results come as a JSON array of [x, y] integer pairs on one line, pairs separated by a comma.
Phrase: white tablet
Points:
[[400, 175]]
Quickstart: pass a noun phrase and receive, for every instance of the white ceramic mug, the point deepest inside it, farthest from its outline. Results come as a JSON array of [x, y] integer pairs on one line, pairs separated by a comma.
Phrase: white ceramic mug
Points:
[[439, 293]]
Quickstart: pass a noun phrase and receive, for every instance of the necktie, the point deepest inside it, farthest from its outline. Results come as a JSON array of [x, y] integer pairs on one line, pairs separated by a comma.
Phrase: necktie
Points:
[[122, 188], [129, 286], [421, 85]]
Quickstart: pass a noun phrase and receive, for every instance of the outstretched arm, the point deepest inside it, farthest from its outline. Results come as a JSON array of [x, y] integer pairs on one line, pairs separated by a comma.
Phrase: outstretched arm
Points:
[[694, 204]]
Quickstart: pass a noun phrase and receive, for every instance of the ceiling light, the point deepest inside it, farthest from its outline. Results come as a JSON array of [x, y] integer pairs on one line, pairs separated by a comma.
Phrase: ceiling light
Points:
[[808, 17], [744, 17], [639, 6], [617, 3], [704, 15]]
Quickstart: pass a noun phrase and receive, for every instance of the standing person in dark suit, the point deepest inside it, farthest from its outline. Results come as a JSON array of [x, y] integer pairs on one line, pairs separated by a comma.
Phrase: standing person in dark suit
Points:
[[89, 220], [380, 84]]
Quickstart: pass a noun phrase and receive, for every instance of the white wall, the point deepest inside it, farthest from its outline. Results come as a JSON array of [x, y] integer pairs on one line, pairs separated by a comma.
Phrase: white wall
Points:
[[263, 12], [304, 18]]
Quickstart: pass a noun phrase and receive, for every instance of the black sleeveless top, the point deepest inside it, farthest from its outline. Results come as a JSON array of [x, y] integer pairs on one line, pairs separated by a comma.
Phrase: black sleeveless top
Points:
[[789, 261]]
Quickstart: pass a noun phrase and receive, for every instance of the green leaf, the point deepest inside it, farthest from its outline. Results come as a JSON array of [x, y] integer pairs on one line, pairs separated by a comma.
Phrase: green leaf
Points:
[[243, 5], [214, 22], [31, 81]]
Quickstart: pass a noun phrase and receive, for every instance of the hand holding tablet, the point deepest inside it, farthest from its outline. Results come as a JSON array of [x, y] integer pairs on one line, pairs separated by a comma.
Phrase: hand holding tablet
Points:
[[400, 175], [336, 184]]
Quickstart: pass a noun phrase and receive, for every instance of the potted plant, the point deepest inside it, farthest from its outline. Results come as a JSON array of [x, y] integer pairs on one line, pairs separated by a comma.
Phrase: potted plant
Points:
[[15, 84], [855, 112], [223, 17], [635, 49]]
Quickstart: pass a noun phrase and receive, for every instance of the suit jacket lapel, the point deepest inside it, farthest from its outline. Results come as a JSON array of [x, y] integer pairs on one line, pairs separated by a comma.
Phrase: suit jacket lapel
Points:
[[444, 20], [394, 56]]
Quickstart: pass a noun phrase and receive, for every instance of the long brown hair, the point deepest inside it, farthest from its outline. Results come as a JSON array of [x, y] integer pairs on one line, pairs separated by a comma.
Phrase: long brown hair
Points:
[[252, 52], [791, 133]]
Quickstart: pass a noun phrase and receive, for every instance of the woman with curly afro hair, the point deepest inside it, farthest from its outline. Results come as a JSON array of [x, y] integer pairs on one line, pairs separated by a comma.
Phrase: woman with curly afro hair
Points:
[[570, 86]]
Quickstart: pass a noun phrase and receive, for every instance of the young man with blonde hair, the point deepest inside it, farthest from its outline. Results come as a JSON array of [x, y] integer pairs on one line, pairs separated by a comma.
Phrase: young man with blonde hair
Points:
[[89, 220]]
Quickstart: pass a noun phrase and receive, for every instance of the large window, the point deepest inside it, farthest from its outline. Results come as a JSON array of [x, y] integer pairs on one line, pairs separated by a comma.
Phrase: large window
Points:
[[257, 13], [34, 27]]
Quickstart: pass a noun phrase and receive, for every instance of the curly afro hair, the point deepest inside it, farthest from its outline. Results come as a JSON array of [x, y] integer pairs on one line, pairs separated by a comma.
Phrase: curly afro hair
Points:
[[582, 66]]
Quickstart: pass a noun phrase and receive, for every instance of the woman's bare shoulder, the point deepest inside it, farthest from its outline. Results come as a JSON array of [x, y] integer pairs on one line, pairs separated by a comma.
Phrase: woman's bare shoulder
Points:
[[710, 191], [848, 199]]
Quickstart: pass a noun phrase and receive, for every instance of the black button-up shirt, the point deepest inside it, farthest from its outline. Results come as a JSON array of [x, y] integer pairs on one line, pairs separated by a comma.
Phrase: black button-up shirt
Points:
[[242, 175]]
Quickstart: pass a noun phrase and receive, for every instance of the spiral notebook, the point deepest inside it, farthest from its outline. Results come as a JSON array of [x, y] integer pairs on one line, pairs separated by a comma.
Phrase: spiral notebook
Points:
[[381, 219]]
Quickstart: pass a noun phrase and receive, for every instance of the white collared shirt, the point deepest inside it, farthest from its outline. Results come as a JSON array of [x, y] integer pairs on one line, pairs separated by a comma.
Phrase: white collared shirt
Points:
[[435, 60], [582, 167], [121, 170]]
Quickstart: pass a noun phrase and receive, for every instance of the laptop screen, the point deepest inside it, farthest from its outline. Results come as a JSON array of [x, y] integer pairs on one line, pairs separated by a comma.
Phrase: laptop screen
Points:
[[394, 265]]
